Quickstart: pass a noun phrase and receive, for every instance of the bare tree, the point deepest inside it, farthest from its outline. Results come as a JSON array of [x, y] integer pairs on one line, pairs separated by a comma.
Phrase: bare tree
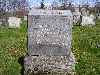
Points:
[[9, 7], [66, 4], [12, 5], [54, 5], [42, 4]]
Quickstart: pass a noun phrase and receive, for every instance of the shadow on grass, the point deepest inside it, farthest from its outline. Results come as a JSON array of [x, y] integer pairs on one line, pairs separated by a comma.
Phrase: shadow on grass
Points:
[[21, 62]]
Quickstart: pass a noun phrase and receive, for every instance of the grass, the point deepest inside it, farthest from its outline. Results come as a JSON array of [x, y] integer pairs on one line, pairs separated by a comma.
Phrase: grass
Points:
[[13, 45], [85, 41]]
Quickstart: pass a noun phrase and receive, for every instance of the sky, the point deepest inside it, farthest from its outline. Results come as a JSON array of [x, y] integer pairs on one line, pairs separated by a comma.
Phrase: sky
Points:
[[47, 2]]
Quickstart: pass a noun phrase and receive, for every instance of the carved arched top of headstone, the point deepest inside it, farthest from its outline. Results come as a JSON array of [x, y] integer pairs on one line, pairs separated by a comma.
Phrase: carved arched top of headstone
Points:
[[84, 12]]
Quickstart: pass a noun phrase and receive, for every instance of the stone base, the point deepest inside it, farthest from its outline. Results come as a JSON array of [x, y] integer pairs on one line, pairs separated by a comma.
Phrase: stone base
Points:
[[50, 73], [49, 65]]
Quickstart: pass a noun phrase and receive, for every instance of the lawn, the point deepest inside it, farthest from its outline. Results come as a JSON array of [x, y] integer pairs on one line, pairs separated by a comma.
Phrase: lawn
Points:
[[13, 45], [85, 48]]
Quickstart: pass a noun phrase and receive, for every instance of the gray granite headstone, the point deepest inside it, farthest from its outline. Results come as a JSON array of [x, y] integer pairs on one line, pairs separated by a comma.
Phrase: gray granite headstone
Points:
[[49, 42]]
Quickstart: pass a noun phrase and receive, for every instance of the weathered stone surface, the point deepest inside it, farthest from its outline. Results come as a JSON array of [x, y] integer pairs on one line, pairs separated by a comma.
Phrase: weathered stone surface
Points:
[[88, 20], [51, 31], [14, 22], [49, 44], [25, 18], [84, 12], [57, 64], [76, 17], [0, 23], [3, 22]]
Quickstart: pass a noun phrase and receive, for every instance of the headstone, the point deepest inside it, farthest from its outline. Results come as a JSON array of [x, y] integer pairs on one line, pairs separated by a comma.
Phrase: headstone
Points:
[[84, 12], [49, 43], [14, 22], [98, 15], [25, 18], [76, 17], [3, 22], [88, 20], [0, 23], [76, 9]]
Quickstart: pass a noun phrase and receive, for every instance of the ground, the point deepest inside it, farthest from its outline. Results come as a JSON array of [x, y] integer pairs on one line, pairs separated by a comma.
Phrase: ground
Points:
[[85, 46], [13, 45]]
